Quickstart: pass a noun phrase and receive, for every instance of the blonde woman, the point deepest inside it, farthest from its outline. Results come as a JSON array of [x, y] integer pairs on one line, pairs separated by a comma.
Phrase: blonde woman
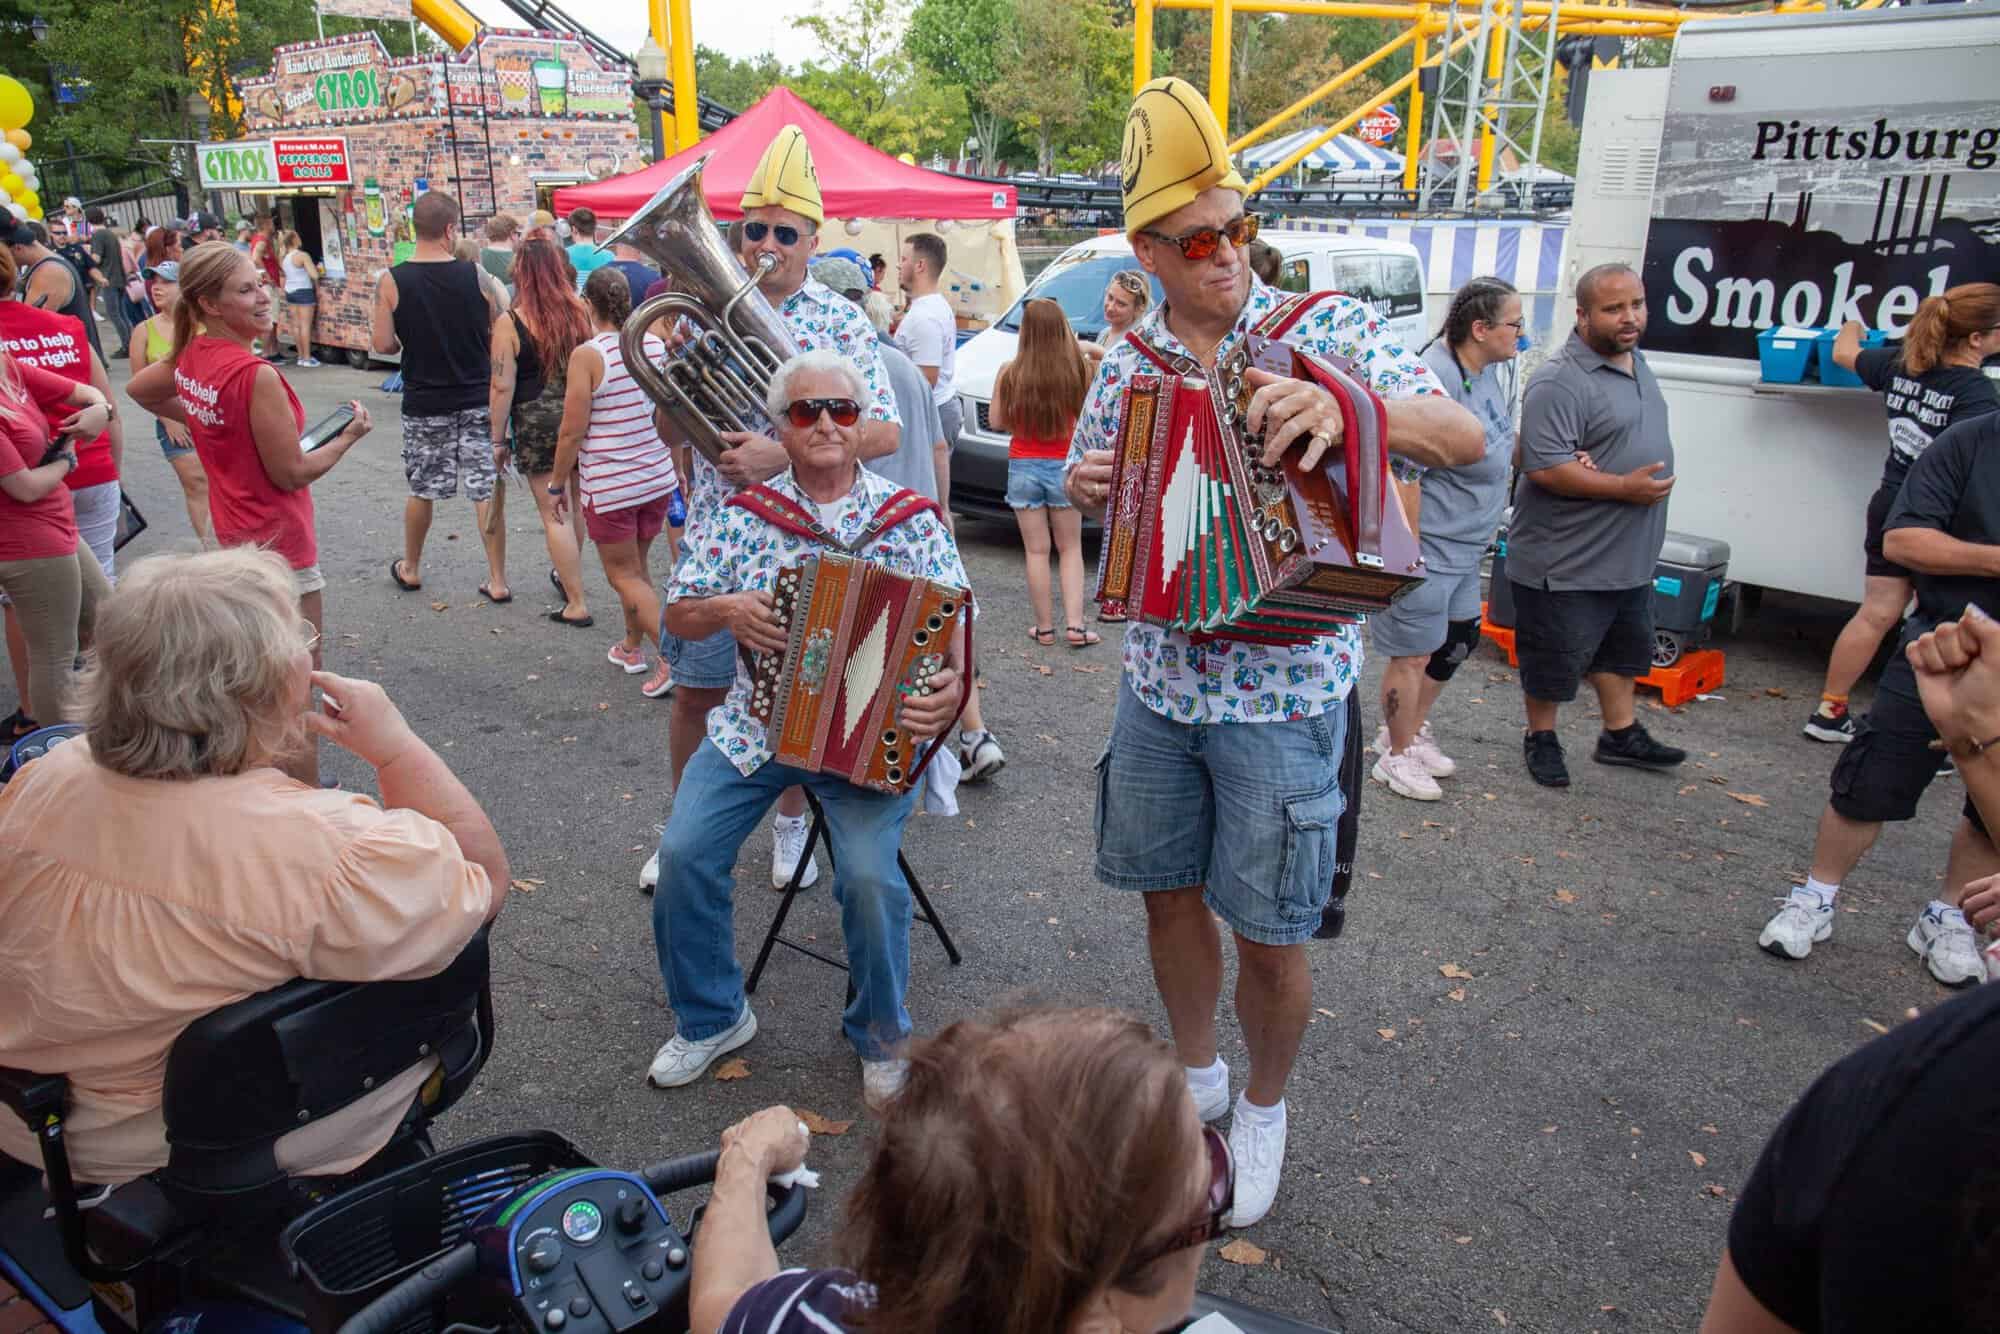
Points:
[[301, 295], [1127, 298], [153, 340]]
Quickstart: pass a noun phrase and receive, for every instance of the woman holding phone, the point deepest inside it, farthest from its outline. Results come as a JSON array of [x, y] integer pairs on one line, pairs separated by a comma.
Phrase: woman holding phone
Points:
[[246, 424]]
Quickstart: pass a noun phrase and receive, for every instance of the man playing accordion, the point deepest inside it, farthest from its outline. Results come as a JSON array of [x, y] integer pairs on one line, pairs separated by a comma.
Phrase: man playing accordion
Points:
[[1219, 792], [724, 582]]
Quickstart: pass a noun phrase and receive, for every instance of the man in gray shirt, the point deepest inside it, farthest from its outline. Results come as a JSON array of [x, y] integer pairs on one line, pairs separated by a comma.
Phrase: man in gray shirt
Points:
[[1586, 536]]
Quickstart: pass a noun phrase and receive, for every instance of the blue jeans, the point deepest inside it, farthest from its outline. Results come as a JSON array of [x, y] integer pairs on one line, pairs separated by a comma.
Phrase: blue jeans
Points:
[[694, 930]]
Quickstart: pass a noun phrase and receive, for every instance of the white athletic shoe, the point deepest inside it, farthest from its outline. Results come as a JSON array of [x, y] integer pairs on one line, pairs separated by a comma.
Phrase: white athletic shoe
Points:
[[1259, 1152], [1799, 925], [788, 844], [680, 1061], [1948, 947], [1424, 747], [1406, 776], [1211, 1101], [881, 1081], [649, 874], [980, 757]]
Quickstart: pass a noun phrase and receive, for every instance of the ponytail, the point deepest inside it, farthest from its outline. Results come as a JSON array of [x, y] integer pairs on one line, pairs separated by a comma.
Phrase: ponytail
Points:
[[205, 271], [1479, 301], [1943, 322]]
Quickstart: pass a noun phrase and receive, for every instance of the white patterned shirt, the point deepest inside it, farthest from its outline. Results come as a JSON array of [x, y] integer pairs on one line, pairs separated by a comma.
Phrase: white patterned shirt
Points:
[[818, 317], [739, 552], [1226, 680]]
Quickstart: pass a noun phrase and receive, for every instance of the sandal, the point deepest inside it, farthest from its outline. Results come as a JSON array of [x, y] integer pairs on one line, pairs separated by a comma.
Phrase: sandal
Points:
[[18, 725], [1045, 637], [560, 619], [487, 593], [396, 573], [1079, 637]]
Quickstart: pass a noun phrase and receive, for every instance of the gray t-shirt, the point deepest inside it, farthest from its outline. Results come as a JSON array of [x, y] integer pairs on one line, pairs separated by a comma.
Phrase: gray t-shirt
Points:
[[913, 464], [1579, 401], [1461, 506]]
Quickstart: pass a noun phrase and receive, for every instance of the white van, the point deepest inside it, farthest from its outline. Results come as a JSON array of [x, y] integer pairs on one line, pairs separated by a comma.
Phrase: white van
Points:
[[1386, 274]]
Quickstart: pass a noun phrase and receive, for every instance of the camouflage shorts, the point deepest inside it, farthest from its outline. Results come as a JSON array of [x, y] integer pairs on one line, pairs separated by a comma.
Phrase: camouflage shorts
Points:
[[441, 451]]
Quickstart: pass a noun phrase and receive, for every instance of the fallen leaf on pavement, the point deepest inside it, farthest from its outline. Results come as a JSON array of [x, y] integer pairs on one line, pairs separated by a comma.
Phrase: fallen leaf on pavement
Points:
[[1328, 1013], [1242, 1252], [1775, 693], [1453, 971], [1489, 796], [440, 606], [1879, 1028], [1700, 1159], [602, 706], [1565, 896], [1087, 670], [736, 1068], [1689, 788], [1712, 1189], [819, 1125], [1748, 798], [1710, 1130], [1044, 669], [1386, 1034], [525, 886], [1500, 1315], [1456, 993], [1461, 1240]]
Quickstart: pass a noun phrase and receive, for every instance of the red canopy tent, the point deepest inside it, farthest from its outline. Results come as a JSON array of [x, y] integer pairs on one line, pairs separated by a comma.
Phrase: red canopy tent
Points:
[[855, 181]]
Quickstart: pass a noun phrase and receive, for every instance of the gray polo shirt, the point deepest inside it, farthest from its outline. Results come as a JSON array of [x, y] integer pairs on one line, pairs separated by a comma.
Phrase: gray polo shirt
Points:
[[913, 464], [1461, 506], [1577, 401]]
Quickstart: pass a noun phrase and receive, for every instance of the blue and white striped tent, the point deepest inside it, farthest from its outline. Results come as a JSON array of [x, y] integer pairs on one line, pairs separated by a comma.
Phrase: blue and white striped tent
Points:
[[1343, 153]]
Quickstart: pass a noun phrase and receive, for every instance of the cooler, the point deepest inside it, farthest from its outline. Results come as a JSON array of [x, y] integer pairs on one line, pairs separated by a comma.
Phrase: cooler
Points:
[[1687, 589]]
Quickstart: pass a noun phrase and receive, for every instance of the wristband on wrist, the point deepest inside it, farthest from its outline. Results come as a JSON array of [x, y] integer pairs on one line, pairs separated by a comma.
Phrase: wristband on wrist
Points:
[[1966, 748]]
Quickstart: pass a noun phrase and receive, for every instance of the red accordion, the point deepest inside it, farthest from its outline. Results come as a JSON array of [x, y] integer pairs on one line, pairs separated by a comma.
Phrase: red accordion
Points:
[[1200, 537]]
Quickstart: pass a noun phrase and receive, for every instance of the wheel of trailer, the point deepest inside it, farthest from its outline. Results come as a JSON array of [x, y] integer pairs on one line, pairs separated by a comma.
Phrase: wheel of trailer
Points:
[[357, 358], [1666, 648]]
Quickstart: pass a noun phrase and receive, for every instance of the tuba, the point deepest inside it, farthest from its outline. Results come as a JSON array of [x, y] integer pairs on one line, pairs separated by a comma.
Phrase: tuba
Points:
[[730, 341]]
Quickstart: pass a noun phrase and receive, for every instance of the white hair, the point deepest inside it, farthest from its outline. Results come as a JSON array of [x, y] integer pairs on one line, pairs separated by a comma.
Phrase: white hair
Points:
[[875, 305], [819, 361]]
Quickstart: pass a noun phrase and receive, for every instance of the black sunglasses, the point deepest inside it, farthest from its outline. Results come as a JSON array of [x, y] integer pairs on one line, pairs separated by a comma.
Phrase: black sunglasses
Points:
[[788, 236], [804, 412], [1221, 1199], [1202, 242]]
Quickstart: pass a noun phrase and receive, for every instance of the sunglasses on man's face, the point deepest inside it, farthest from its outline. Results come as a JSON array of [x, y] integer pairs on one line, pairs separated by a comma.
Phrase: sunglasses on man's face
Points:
[[787, 236], [1221, 1199], [1203, 242], [804, 412]]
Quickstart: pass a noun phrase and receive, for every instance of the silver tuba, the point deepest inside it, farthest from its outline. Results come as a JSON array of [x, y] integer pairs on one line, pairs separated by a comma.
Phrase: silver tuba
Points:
[[715, 377]]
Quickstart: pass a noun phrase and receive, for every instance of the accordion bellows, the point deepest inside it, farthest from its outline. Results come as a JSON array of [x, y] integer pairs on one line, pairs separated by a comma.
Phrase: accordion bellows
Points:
[[858, 639], [1201, 538]]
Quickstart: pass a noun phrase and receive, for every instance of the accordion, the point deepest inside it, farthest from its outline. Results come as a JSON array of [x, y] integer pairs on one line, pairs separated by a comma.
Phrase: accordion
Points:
[[858, 639], [1201, 537]]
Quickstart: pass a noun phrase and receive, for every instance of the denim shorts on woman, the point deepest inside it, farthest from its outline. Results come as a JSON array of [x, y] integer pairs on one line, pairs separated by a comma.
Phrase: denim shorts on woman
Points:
[[1036, 484], [1246, 810]]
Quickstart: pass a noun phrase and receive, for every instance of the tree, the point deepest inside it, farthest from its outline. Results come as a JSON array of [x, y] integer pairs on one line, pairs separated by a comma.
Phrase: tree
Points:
[[865, 83], [1055, 58], [735, 83], [958, 42]]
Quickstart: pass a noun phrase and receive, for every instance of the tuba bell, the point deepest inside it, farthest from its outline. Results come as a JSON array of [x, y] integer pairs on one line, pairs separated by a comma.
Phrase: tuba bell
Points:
[[730, 341]]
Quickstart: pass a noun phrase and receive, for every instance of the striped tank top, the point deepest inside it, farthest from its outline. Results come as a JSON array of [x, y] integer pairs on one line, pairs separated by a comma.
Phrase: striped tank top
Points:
[[623, 461]]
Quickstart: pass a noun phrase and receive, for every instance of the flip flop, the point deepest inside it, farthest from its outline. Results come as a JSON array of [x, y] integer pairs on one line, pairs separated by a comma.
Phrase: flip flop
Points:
[[488, 595], [561, 619], [1046, 638], [1089, 637], [396, 573], [555, 582]]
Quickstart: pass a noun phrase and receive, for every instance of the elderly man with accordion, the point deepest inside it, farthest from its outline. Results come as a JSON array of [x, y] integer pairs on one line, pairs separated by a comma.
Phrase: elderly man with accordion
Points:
[[1237, 441]]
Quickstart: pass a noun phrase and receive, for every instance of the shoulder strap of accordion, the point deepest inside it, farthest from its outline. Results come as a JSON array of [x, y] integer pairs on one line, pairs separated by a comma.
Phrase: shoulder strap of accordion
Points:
[[1278, 321], [779, 510], [900, 508], [1152, 354]]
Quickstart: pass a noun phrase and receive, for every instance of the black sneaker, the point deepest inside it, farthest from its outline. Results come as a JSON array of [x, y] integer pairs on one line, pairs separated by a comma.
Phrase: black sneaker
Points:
[[1835, 727], [1544, 752], [1636, 747]]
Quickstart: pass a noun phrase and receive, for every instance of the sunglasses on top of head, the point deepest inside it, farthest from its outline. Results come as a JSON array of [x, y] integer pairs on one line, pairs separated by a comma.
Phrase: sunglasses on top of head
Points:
[[804, 412], [1221, 1199], [787, 235], [1203, 242]]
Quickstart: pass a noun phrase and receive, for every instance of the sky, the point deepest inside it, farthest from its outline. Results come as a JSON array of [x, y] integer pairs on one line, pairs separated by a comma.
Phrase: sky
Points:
[[741, 28]]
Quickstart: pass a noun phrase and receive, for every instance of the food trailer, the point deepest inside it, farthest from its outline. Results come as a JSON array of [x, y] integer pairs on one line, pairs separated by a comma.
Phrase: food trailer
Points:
[[340, 138]]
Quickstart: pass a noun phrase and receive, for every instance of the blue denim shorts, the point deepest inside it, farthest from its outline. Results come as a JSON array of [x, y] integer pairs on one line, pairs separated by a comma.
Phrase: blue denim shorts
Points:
[[1034, 484], [1246, 810], [700, 664], [167, 445]]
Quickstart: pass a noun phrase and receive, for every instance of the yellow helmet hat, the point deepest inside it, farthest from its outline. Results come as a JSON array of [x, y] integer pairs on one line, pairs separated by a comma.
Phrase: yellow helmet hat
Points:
[[1173, 151], [785, 177]]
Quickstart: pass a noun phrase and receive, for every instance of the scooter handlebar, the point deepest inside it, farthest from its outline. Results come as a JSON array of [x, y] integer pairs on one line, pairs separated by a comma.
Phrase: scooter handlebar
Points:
[[787, 1203], [430, 1284]]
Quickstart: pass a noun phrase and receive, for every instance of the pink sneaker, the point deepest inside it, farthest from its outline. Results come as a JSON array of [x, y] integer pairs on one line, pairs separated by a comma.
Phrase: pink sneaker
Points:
[[633, 660], [660, 683]]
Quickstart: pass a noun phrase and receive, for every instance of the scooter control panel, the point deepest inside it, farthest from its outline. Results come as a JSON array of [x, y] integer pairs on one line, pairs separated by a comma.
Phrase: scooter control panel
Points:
[[592, 1252]]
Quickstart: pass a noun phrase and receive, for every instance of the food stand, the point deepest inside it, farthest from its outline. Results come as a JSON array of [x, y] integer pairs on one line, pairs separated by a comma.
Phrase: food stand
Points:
[[340, 137]]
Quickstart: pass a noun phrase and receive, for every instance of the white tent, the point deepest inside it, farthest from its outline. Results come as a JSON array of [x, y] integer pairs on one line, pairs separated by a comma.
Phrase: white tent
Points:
[[1343, 154]]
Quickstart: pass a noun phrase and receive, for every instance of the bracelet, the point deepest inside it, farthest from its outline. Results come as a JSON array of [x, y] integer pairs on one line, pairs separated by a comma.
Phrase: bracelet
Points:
[[1966, 749]]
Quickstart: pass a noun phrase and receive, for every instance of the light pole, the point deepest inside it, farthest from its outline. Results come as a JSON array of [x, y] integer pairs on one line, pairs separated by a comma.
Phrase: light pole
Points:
[[651, 84]]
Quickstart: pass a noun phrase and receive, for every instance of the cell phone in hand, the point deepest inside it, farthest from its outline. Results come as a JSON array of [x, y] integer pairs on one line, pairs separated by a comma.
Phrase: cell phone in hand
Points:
[[326, 428]]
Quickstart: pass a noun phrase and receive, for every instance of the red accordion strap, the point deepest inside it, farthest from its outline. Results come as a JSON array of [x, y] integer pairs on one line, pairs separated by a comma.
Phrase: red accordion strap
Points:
[[781, 511], [1279, 320]]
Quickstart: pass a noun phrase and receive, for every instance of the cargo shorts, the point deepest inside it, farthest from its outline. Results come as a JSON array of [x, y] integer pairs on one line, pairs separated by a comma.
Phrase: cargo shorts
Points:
[[441, 451]]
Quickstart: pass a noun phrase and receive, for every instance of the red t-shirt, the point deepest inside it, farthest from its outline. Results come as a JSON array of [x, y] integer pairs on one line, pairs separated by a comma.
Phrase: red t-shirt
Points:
[[45, 528], [56, 343], [1034, 447], [214, 378]]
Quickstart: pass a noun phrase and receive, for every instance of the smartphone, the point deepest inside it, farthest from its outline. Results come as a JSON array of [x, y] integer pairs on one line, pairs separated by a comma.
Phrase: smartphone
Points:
[[326, 428]]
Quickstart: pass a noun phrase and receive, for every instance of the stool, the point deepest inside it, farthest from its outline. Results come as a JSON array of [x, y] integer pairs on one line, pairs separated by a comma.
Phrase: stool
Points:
[[772, 937]]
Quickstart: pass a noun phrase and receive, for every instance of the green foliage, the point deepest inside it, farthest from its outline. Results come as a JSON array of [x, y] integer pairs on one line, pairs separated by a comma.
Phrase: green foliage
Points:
[[1061, 56], [958, 43], [735, 83], [868, 85]]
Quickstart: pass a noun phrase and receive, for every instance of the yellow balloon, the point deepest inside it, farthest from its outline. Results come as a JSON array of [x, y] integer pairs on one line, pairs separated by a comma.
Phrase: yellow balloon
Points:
[[28, 199], [21, 139], [11, 185], [35, 213], [17, 108]]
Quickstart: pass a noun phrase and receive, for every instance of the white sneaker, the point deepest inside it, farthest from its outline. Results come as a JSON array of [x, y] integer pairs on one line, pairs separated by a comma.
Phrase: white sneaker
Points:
[[1424, 747], [1259, 1151], [1799, 925], [680, 1061], [1406, 776], [1948, 947], [881, 1081], [980, 758], [788, 844], [649, 874], [1211, 1101]]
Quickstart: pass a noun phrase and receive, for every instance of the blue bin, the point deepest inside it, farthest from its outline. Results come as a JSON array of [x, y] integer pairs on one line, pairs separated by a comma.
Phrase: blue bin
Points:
[[1830, 371], [1785, 354]]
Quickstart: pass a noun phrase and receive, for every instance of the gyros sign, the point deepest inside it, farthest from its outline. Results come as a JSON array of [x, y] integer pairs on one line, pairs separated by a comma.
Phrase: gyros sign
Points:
[[275, 164]]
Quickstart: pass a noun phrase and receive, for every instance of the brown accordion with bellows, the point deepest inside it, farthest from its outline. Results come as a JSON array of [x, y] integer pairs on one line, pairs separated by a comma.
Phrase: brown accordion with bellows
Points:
[[1200, 537]]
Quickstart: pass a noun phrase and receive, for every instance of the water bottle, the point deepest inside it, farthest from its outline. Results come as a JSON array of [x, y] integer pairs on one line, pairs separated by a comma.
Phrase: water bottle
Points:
[[677, 510]]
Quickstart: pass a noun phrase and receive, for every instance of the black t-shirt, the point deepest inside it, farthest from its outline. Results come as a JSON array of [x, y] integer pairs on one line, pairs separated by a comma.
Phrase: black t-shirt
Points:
[[799, 1301], [1876, 1203], [1954, 487], [1920, 406]]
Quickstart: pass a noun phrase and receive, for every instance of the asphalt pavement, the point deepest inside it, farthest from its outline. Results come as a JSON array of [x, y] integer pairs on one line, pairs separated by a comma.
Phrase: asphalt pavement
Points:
[[1543, 1057]]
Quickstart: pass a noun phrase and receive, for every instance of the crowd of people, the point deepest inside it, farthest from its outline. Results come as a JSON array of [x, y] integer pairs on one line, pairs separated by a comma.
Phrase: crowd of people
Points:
[[1219, 790]]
